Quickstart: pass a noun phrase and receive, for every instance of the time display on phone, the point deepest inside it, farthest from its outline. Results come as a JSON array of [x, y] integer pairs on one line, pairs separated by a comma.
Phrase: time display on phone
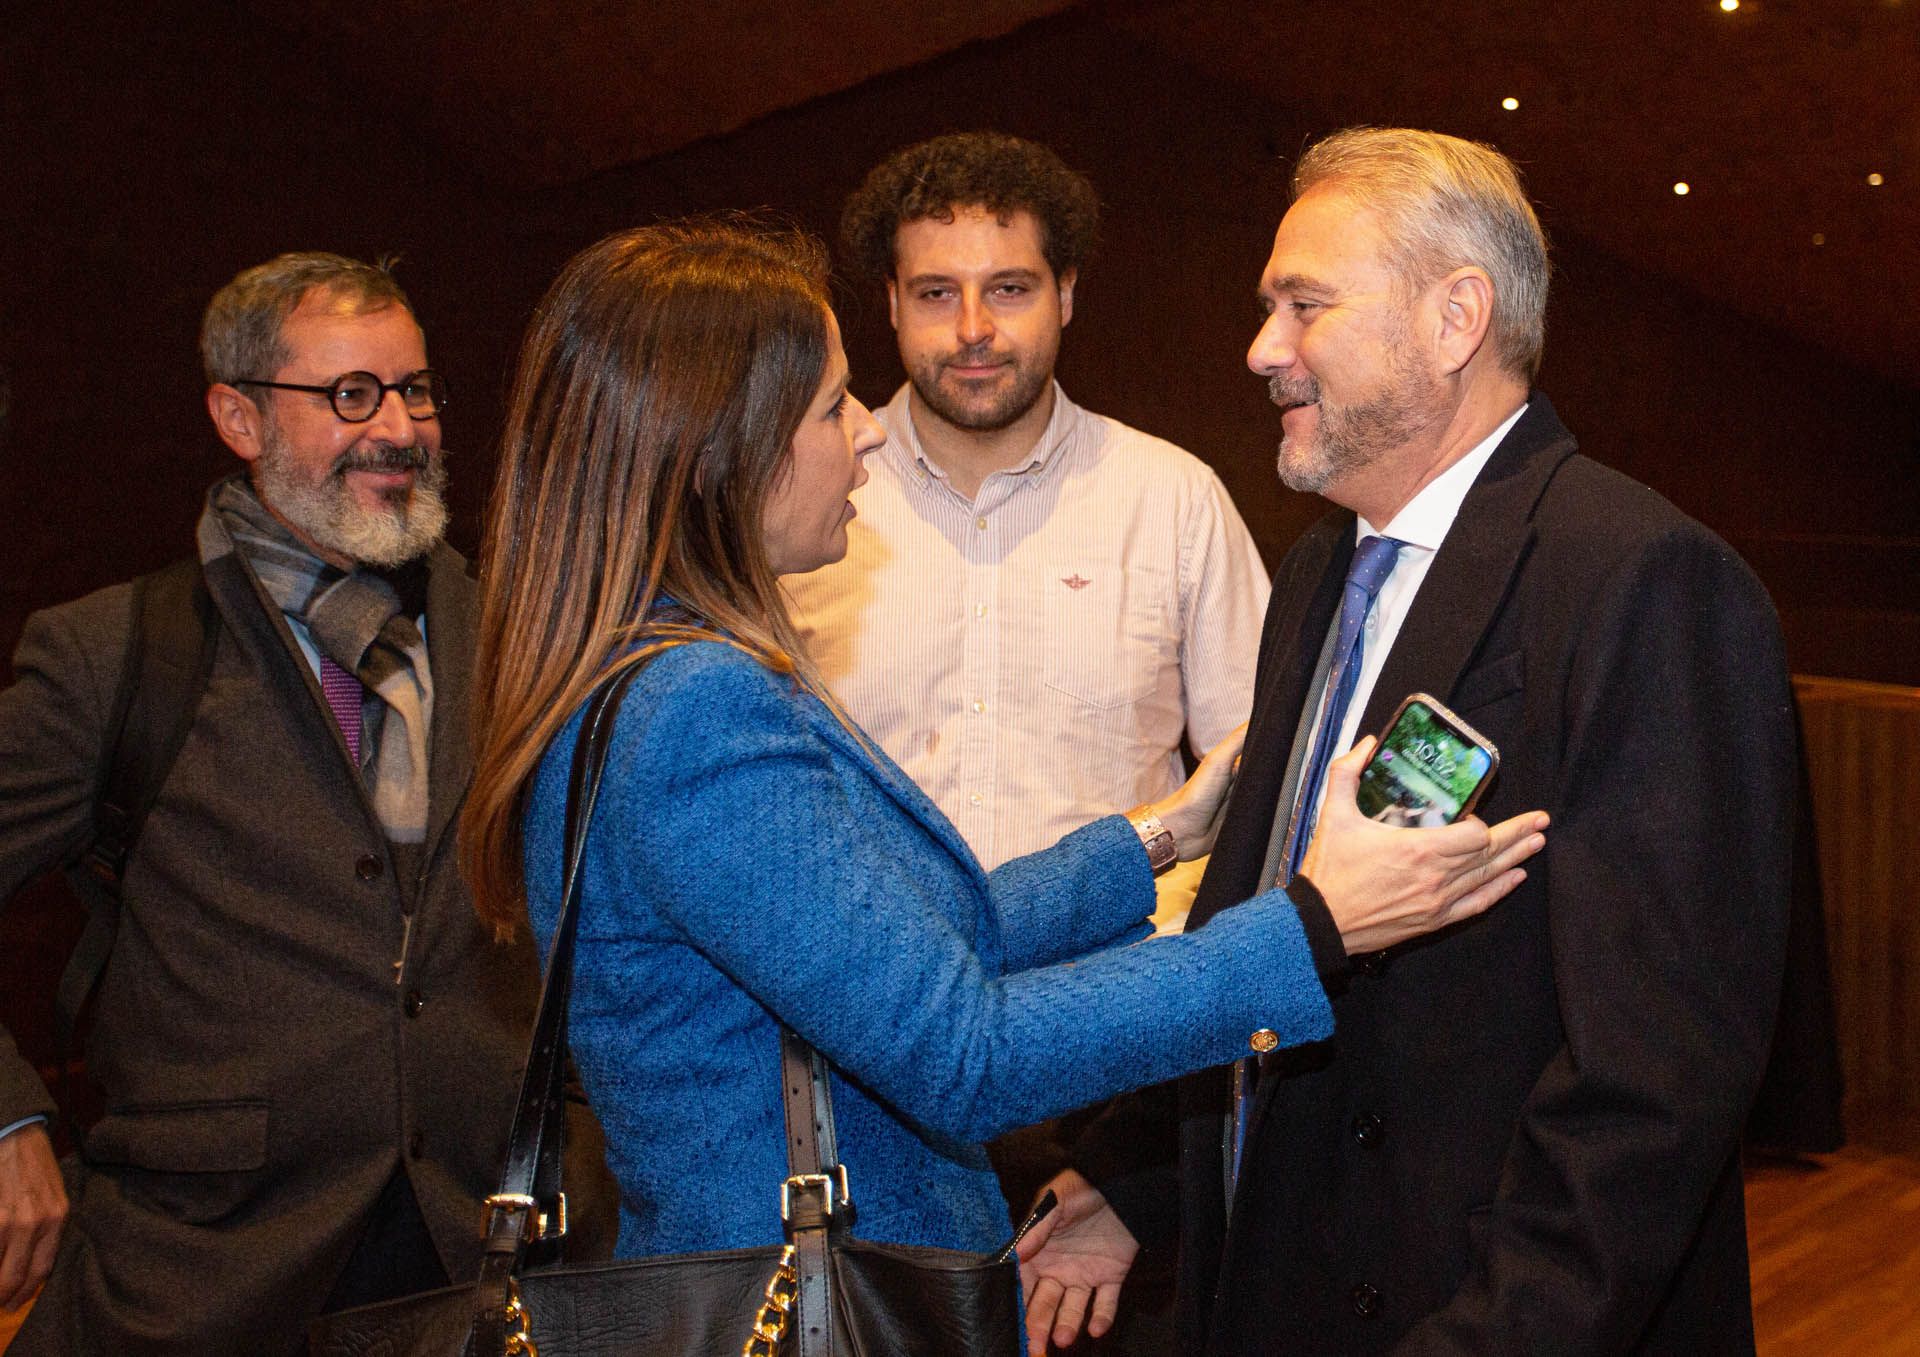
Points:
[[1429, 768]]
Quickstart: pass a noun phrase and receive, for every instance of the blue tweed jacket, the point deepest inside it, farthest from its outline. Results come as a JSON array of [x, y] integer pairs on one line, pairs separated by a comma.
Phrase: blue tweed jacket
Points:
[[751, 859]]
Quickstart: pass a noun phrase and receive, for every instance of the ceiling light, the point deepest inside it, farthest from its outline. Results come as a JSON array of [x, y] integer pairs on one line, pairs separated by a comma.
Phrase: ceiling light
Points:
[[1819, 237], [1729, 5], [1682, 188], [1510, 103], [1876, 179]]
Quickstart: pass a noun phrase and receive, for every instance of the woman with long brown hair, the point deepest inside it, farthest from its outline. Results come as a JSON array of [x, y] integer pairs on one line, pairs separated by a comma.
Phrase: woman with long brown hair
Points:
[[680, 435]]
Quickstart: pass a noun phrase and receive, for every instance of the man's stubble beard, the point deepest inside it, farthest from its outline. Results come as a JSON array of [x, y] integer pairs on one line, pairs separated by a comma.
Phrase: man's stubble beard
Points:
[[1349, 438], [406, 526], [1030, 382]]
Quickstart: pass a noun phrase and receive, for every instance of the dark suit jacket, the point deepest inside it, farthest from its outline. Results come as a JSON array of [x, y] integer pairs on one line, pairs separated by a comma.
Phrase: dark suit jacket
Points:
[[1523, 1136], [265, 1066]]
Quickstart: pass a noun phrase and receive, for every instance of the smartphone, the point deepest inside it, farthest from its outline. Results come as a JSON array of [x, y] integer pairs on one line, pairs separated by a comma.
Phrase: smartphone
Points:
[[1428, 769]]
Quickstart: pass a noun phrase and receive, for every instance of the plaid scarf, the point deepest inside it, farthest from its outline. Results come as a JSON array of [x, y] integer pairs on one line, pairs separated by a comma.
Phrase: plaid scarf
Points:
[[363, 622]]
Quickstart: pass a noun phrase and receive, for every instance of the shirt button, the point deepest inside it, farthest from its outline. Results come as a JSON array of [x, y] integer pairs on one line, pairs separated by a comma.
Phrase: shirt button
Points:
[[1264, 1040], [1366, 1129], [974, 800], [979, 706], [979, 610], [1366, 1300], [415, 1002], [368, 868], [980, 523]]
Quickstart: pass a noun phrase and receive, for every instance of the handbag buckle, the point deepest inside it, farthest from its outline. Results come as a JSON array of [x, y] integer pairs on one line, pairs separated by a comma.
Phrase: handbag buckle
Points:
[[824, 1183], [536, 1226]]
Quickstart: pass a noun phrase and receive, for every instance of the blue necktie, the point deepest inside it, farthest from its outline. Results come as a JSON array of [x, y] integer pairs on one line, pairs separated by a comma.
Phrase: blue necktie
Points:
[[1373, 561]]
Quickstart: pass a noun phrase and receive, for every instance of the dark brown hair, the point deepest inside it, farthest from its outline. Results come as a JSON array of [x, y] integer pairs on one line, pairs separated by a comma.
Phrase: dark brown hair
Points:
[[659, 388], [1003, 174]]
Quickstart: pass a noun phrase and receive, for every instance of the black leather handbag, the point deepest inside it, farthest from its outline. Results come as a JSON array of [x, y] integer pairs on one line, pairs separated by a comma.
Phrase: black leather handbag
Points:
[[822, 1294]]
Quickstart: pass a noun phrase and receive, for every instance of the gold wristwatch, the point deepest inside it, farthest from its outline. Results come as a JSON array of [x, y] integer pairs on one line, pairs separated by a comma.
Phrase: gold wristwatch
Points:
[[1155, 837]]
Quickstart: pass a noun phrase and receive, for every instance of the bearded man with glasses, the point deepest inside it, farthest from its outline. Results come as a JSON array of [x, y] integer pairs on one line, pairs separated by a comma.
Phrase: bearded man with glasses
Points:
[[307, 1043]]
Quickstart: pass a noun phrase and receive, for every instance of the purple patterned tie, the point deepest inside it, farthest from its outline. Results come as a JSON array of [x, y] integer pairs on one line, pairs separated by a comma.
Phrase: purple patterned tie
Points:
[[344, 693]]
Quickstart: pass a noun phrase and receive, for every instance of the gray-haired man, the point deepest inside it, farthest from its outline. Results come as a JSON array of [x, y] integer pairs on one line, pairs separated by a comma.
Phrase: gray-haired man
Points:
[[308, 1045]]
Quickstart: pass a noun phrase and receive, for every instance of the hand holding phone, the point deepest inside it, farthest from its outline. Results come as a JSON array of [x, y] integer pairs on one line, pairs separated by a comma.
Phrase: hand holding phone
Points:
[[1383, 885]]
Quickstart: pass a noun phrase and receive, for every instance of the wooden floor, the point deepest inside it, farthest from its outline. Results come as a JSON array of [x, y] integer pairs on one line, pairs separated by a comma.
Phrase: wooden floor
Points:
[[1836, 1255]]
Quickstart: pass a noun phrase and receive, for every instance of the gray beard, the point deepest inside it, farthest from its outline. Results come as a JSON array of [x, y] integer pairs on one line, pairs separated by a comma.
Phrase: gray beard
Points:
[[1025, 392], [406, 526], [1351, 437]]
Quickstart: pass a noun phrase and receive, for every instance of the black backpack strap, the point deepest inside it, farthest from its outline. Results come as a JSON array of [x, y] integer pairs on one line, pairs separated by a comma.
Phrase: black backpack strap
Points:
[[170, 644]]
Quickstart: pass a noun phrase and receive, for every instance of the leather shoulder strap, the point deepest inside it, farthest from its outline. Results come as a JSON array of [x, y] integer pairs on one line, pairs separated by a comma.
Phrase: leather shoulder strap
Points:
[[815, 1201], [533, 1164]]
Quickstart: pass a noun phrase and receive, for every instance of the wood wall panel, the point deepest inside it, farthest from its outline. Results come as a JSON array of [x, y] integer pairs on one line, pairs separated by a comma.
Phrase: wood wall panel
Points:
[[1863, 754]]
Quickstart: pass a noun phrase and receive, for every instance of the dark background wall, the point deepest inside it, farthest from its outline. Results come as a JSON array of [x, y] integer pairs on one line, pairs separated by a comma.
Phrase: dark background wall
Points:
[[140, 175], [146, 174]]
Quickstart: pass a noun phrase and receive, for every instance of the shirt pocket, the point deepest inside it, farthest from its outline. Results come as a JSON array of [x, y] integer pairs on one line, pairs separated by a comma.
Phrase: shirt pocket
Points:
[[1109, 634]]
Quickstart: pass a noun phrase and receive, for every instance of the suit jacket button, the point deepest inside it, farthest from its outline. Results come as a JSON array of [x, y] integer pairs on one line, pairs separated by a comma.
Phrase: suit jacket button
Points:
[[1366, 1300], [368, 868], [416, 1145], [1366, 1129], [1264, 1040], [415, 1002], [1371, 964]]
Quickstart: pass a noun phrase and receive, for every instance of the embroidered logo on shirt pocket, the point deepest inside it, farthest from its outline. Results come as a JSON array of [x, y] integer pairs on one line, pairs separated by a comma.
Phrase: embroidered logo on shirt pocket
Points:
[[1108, 639]]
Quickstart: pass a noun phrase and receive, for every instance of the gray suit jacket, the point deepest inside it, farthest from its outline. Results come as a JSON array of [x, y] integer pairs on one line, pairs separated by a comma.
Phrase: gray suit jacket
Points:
[[282, 1022]]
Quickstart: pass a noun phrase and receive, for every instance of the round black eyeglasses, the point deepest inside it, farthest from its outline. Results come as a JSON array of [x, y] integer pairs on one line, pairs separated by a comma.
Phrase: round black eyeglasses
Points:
[[356, 396]]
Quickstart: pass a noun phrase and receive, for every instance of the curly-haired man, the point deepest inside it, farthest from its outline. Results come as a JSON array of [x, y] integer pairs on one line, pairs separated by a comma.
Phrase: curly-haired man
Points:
[[1038, 602]]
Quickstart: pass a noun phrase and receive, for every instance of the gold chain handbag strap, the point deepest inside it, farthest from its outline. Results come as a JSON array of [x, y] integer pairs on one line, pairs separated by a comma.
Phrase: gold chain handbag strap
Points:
[[519, 1341], [770, 1325]]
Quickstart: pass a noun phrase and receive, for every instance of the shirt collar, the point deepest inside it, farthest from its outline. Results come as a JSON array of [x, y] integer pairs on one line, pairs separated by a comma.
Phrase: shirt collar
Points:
[[1426, 518], [1062, 425]]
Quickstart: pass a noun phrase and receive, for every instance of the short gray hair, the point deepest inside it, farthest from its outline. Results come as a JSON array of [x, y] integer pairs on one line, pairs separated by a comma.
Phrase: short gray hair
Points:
[[1445, 203], [240, 334]]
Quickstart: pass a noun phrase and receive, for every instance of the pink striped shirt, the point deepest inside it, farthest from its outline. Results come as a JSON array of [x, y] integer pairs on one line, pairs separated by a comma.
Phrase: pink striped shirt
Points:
[[1032, 657]]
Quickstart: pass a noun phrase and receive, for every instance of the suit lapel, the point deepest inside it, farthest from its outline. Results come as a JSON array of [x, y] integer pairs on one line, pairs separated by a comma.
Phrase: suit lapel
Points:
[[451, 612], [256, 622], [1470, 577], [262, 631], [1303, 607]]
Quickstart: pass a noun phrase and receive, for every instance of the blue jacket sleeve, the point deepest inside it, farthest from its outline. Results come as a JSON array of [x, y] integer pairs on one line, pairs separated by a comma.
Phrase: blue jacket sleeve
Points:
[[781, 860], [1091, 890]]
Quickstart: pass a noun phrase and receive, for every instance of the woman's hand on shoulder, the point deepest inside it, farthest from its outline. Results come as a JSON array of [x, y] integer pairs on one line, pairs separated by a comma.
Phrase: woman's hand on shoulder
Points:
[[1385, 885]]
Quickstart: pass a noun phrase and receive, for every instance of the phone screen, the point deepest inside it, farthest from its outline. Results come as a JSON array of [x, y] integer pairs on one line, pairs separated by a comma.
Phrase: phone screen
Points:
[[1426, 770]]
